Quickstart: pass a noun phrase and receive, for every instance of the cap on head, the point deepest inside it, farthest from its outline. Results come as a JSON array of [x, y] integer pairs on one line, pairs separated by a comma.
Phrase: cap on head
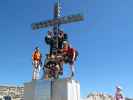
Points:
[[36, 48], [61, 31], [65, 42], [49, 33], [119, 87]]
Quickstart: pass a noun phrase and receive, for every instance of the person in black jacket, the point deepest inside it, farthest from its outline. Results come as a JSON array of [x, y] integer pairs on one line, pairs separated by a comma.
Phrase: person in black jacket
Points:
[[61, 38], [49, 39]]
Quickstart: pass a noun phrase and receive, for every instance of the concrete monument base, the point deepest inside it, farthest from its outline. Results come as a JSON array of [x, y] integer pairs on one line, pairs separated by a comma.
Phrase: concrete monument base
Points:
[[62, 89]]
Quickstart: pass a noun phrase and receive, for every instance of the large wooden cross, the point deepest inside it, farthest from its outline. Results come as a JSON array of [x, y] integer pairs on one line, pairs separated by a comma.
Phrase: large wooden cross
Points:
[[57, 20]]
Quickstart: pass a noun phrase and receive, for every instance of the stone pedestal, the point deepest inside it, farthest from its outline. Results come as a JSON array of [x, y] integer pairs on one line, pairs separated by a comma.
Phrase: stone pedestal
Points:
[[63, 89]]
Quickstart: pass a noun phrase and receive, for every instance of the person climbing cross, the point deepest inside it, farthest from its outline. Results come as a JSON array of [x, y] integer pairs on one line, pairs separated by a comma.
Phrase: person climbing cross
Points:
[[61, 38], [49, 40]]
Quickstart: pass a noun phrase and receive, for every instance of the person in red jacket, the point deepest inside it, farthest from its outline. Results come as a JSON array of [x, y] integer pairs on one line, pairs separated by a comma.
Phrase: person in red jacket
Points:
[[70, 55]]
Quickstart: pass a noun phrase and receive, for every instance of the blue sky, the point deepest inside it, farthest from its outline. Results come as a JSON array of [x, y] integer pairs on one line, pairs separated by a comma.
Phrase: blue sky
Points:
[[103, 39]]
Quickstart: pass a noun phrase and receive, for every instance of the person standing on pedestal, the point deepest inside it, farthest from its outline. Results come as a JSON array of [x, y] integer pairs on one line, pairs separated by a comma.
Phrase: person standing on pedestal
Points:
[[118, 94], [70, 54], [37, 63]]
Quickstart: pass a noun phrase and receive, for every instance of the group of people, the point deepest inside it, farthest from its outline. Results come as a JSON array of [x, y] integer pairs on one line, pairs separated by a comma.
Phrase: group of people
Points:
[[60, 53]]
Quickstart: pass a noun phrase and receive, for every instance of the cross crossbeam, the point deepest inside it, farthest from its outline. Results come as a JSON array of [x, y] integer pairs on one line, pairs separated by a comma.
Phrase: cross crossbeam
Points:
[[56, 21]]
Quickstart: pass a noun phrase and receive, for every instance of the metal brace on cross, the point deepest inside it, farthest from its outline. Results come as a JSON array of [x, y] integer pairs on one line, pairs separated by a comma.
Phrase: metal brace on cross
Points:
[[57, 21]]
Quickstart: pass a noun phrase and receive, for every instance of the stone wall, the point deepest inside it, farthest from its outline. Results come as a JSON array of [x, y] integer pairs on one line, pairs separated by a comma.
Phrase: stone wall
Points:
[[62, 89]]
